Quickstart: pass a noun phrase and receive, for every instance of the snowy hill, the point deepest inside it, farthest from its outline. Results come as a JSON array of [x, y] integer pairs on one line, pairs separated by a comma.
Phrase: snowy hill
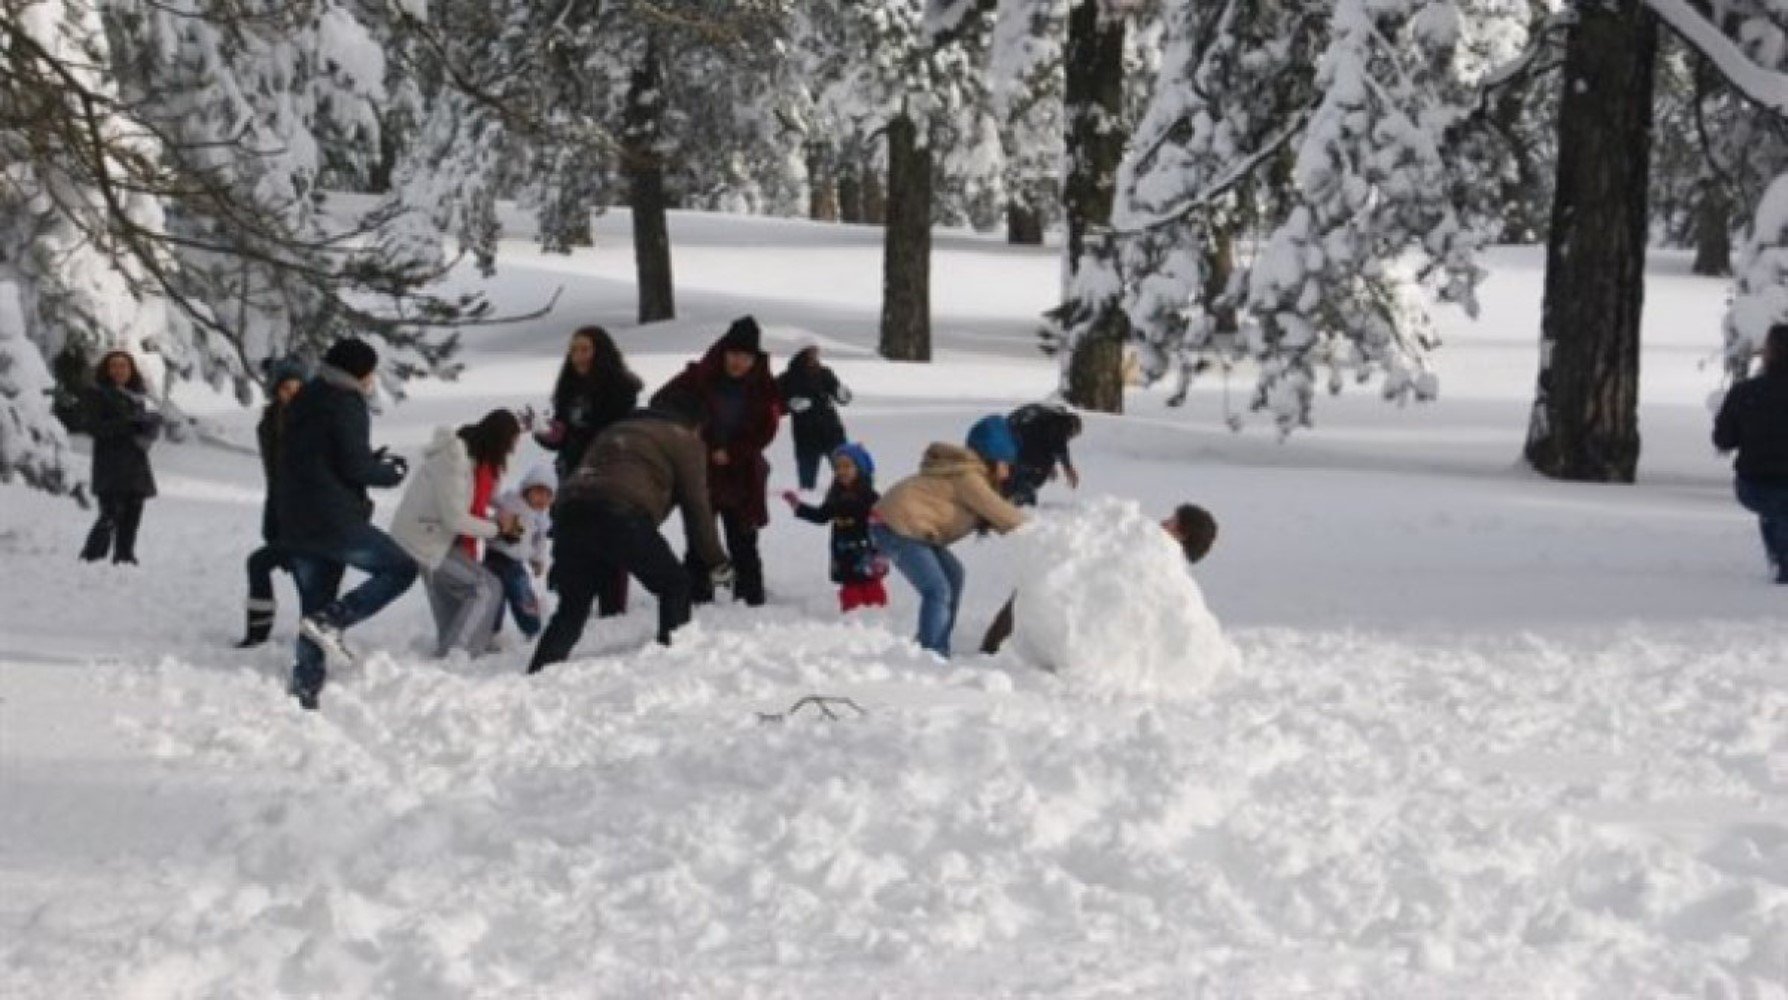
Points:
[[1488, 734]]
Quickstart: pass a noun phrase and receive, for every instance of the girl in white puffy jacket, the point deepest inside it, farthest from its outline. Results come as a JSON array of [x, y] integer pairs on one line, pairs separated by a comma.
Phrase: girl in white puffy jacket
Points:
[[445, 513]]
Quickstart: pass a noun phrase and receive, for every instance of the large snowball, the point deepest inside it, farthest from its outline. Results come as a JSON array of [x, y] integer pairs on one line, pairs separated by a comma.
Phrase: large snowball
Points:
[[1107, 600]]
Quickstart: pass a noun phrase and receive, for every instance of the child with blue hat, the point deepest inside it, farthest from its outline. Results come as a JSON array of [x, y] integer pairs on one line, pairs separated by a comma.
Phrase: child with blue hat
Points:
[[857, 567]]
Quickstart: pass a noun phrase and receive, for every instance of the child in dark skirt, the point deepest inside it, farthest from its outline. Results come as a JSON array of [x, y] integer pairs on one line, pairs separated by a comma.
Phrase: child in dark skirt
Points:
[[857, 567]]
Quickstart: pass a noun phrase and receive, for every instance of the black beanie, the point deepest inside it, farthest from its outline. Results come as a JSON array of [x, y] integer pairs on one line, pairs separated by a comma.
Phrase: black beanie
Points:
[[679, 404], [352, 355], [743, 335]]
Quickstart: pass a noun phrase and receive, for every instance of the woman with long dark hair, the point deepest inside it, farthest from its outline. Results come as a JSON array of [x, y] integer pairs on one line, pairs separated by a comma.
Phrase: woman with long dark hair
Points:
[[444, 514], [595, 389], [123, 425]]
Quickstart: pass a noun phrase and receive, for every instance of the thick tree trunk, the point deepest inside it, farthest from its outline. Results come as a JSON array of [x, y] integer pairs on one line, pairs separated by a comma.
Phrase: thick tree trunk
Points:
[[822, 184], [906, 246], [1094, 107], [850, 191], [1713, 230], [875, 196], [1024, 224], [646, 194], [1585, 423]]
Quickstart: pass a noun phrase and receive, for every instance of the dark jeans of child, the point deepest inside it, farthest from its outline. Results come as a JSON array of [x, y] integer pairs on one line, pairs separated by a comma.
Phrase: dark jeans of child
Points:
[[518, 592], [115, 530], [1000, 630], [1769, 501], [807, 465]]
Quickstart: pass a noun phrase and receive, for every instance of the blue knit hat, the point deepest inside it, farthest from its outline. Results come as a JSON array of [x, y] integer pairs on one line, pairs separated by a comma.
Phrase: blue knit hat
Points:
[[991, 438], [284, 370], [859, 457]]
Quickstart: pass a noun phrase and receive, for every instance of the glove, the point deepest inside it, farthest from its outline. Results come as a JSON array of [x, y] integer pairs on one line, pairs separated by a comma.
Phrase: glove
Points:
[[721, 575], [552, 434], [800, 404], [791, 498], [397, 464]]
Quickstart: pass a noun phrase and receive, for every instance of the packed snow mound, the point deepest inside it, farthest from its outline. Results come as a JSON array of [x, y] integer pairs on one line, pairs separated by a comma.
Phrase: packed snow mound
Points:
[[1106, 599]]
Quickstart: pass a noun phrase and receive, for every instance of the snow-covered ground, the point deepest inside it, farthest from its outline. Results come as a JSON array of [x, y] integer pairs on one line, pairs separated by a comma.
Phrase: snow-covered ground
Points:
[[1487, 735]]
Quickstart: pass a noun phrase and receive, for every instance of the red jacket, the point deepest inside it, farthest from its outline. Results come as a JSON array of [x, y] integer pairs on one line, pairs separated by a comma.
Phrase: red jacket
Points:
[[738, 485]]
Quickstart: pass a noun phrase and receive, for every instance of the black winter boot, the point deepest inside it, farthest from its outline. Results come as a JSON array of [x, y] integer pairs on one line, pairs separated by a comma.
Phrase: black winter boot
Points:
[[260, 624]]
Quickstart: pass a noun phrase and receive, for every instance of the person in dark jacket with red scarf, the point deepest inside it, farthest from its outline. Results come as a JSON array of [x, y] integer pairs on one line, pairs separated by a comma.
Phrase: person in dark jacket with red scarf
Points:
[[1753, 421], [742, 408]]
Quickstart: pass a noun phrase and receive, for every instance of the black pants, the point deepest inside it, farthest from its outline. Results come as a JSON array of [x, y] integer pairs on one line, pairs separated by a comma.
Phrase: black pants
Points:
[[261, 564], [741, 548], [116, 529], [808, 459], [589, 548]]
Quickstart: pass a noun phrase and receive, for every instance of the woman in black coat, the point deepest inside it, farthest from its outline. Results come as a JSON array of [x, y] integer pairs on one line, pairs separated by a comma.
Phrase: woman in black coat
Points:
[[284, 379], [123, 426], [595, 389], [812, 394]]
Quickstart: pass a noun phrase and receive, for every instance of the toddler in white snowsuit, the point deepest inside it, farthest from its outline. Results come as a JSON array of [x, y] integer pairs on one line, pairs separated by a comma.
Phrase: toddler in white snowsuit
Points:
[[514, 562]]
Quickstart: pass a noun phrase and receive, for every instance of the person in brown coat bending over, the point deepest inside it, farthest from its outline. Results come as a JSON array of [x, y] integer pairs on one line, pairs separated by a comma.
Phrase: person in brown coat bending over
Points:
[[956, 492], [740, 408], [607, 515]]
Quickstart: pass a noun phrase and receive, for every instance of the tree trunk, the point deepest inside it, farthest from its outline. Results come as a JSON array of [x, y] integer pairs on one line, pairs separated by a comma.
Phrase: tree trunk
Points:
[[645, 181], [906, 246], [850, 191], [1024, 224], [875, 197], [1713, 230], [822, 186], [1221, 264], [1585, 422], [1094, 109]]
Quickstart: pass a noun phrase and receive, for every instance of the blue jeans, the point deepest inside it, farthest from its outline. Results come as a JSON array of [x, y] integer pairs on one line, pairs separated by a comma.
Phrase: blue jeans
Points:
[[318, 572], [518, 592], [1769, 501], [935, 574]]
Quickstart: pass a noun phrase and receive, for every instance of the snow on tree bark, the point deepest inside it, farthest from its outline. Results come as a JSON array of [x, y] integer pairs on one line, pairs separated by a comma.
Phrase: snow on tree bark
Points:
[[1094, 322]]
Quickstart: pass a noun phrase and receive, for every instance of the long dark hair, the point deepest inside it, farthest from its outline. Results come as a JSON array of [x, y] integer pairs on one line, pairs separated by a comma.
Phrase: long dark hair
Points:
[[608, 369], [104, 378], [489, 441]]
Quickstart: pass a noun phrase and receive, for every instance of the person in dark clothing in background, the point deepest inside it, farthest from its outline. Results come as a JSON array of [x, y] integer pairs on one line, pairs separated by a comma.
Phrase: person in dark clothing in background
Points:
[[595, 389], [1753, 421], [741, 408], [812, 394], [284, 379], [857, 567], [123, 425], [1043, 431], [607, 513], [325, 515]]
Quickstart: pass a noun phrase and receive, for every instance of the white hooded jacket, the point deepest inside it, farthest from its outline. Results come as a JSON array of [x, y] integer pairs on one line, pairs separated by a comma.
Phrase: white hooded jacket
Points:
[[437, 506], [536, 525]]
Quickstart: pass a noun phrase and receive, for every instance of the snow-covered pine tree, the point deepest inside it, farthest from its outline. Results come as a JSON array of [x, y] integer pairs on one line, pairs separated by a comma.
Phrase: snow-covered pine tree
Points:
[[1344, 167], [1025, 84]]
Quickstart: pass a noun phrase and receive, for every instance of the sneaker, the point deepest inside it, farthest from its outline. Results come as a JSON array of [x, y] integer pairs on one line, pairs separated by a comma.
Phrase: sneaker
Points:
[[318, 628]]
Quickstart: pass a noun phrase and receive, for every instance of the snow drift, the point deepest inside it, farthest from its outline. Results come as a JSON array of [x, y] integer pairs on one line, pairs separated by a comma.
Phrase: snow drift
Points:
[[1105, 598]]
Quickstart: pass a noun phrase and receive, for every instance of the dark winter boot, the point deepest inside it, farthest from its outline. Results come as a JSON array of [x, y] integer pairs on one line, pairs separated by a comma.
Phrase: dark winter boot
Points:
[[260, 624]]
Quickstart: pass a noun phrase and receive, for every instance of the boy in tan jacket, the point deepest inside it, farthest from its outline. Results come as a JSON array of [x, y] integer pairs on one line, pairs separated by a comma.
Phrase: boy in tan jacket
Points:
[[955, 492]]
